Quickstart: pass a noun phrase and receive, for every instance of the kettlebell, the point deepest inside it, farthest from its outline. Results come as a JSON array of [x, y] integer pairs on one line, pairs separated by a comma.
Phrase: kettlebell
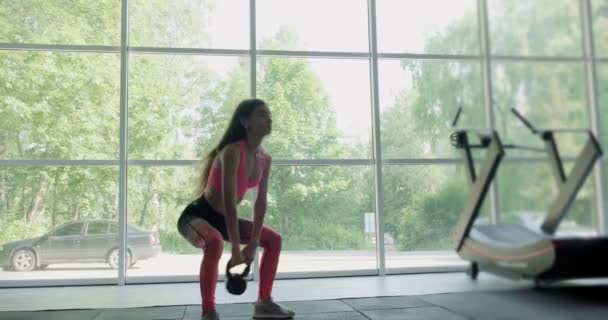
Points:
[[236, 283]]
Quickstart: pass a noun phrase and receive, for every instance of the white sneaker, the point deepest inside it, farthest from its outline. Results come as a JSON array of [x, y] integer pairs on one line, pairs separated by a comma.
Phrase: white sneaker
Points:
[[269, 309]]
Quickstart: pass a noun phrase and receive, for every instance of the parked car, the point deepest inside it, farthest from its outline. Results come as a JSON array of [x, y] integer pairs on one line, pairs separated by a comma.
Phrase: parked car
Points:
[[82, 242]]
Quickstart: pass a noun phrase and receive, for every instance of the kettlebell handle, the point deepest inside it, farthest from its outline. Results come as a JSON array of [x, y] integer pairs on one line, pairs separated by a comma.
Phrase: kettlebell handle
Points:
[[244, 274]]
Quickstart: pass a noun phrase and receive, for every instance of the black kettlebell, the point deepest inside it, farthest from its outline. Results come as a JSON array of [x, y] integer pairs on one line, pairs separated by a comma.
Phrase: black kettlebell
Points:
[[236, 283]]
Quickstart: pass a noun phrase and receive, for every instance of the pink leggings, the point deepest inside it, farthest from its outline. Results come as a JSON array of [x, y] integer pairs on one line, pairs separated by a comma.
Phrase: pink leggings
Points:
[[203, 235]]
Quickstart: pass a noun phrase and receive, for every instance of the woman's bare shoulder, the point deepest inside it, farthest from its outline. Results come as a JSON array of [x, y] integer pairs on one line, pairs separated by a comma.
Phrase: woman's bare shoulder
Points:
[[230, 150]]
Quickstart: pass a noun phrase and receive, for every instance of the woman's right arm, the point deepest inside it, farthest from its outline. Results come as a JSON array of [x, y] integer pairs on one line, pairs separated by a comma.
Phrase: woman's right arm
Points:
[[230, 159]]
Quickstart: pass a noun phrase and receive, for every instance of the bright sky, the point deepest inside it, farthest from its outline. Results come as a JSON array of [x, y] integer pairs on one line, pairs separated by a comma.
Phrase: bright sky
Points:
[[341, 25]]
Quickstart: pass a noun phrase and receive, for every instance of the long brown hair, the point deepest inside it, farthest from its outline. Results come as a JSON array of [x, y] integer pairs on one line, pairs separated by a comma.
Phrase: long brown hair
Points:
[[233, 133]]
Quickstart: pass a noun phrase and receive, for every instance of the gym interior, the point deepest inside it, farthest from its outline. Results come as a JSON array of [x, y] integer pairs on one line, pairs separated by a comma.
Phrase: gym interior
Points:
[[437, 159]]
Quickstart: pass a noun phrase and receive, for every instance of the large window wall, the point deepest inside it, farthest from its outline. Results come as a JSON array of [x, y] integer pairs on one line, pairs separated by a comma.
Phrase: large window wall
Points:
[[106, 109]]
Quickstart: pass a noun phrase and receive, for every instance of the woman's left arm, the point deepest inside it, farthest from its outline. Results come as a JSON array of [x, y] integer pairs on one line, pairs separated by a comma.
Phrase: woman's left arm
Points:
[[259, 208]]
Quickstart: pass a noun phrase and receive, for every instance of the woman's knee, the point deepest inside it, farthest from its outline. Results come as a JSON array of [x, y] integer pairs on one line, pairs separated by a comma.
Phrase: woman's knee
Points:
[[270, 238], [213, 246], [214, 240]]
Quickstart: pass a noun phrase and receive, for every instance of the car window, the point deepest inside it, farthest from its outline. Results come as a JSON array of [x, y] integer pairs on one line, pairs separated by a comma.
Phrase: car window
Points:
[[130, 228], [97, 228], [69, 230]]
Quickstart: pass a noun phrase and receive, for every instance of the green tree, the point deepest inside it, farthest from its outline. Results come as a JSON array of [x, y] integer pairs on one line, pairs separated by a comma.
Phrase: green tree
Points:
[[427, 223], [39, 21]]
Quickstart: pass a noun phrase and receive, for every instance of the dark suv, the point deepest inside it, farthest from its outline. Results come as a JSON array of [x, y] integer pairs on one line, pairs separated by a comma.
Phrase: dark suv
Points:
[[82, 241]]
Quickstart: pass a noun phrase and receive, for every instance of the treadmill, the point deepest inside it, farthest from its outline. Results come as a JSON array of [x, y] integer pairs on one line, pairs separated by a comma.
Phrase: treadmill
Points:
[[515, 251]]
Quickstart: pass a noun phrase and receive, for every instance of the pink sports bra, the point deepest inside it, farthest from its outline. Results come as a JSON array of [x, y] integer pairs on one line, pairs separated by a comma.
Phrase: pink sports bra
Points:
[[243, 184]]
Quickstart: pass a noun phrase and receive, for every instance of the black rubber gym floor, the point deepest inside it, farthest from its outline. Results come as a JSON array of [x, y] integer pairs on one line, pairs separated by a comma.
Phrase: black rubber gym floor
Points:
[[588, 302]]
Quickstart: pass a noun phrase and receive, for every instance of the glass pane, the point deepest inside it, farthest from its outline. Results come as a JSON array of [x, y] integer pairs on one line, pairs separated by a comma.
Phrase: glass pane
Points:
[[526, 191], [45, 208], [602, 84], [189, 23], [316, 25], [535, 28], [301, 199], [582, 217], [320, 107], [436, 26], [418, 101], [59, 105], [421, 205], [549, 95], [321, 213], [605, 177], [179, 105], [156, 198], [78, 22], [600, 27]]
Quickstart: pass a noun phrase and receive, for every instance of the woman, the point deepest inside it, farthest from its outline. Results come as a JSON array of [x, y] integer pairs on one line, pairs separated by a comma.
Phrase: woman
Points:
[[237, 164]]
